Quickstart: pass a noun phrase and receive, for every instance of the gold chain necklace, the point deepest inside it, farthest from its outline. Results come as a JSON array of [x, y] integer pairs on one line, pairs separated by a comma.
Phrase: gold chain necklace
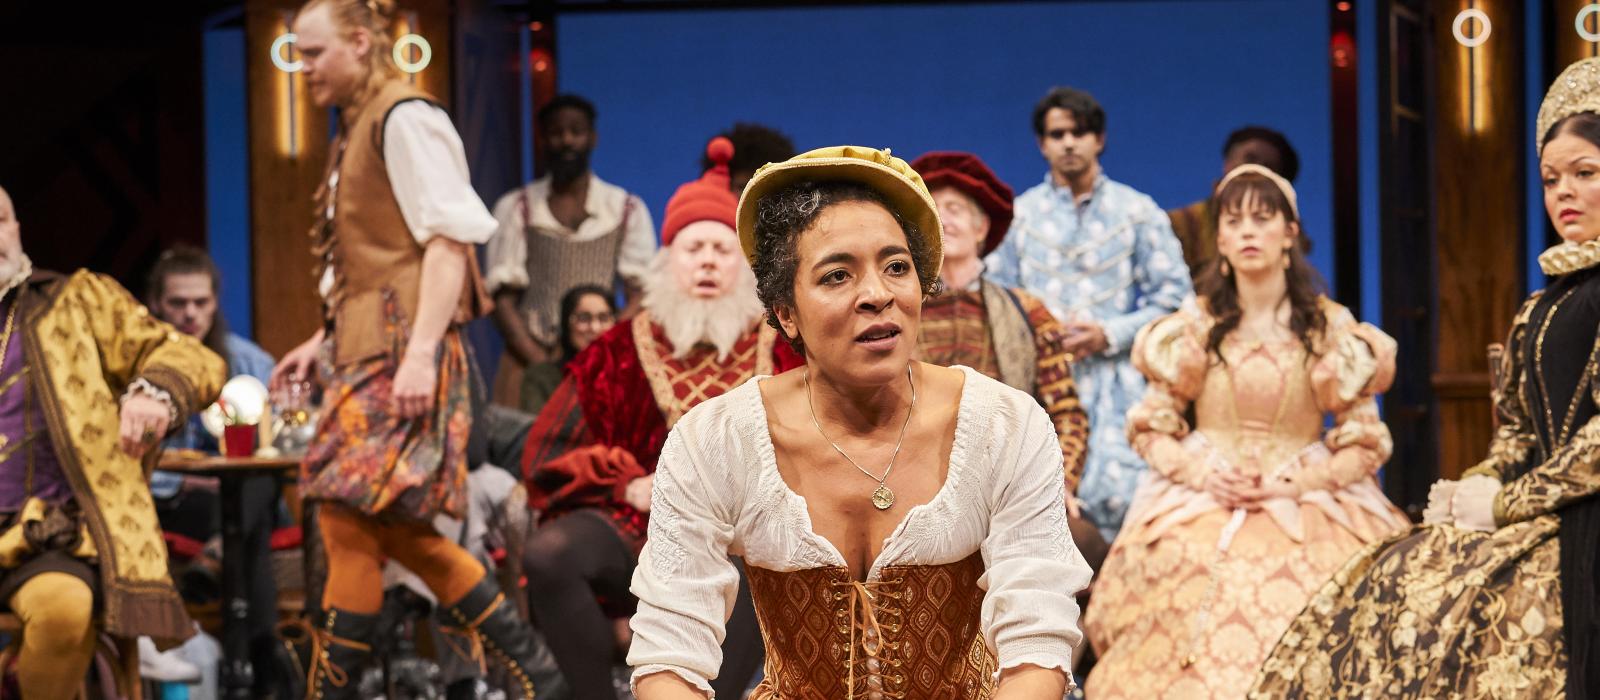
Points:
[[882, 497], [5, 340]]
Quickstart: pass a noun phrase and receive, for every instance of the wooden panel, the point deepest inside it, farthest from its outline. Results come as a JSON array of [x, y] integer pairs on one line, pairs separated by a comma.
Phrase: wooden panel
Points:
[[288, 150], [1478, 129], [288, 153], [1565, 45]]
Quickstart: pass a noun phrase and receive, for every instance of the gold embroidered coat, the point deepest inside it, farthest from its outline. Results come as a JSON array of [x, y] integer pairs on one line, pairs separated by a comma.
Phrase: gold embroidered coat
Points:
[[88, 339], [1446, 612]]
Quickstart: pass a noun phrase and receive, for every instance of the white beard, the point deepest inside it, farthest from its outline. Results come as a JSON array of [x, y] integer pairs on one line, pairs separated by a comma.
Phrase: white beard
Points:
[[690, 321], [15, 271]]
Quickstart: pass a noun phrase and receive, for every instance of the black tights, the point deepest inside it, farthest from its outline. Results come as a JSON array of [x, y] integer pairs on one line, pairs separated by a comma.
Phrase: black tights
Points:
[[571, 559]]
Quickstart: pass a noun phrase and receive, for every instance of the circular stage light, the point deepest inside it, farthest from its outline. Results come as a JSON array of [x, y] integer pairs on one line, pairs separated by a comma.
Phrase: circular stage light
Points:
[[402, 57], [1583, 29], [1460, 23], [278, 46]]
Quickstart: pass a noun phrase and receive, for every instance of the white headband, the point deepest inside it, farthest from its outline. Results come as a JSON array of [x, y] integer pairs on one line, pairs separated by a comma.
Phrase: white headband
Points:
[[1283, 185]]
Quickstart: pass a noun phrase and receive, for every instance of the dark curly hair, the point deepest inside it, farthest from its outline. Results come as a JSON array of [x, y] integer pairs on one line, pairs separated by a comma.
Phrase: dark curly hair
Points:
[[1305, 286], [783, 215], [754, 145], [1288, 164]]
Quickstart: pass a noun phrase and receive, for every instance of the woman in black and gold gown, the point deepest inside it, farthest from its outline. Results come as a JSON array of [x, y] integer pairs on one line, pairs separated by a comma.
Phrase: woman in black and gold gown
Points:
[[1494, 596]]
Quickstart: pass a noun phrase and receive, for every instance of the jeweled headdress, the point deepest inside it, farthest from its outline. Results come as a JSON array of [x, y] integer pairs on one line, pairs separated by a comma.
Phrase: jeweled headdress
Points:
[[1575, 92]]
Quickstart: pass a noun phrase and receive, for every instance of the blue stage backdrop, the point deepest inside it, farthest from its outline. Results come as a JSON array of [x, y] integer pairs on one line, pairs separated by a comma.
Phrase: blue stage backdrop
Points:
[[1174, 76], [228, 173]]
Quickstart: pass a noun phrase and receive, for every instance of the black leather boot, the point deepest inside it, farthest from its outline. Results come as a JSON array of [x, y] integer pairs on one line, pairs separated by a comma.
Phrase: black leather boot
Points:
[[510, 640], [339, 651]]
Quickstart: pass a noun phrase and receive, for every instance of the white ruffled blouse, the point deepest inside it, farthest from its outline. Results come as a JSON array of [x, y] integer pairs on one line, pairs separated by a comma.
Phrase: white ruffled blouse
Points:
[[718, 492]]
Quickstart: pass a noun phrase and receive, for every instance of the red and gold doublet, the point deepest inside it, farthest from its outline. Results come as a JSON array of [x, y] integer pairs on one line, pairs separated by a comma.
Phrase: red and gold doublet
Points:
[[605, 424]]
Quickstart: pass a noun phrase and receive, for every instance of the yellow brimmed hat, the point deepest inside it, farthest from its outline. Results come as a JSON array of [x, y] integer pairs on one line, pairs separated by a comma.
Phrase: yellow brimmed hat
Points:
[[889, 176]]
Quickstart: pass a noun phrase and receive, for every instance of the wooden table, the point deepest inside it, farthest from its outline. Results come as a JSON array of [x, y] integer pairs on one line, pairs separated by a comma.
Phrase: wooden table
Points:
[[237, 675]]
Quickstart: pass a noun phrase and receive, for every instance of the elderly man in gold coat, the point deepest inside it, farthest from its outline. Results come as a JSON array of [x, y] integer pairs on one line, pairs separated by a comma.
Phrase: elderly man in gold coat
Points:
[[89, 383]]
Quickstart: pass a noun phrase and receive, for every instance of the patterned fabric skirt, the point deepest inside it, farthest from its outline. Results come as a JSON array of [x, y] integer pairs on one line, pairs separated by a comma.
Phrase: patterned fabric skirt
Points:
[[1438, 612], [372, 460], [1144, 619]]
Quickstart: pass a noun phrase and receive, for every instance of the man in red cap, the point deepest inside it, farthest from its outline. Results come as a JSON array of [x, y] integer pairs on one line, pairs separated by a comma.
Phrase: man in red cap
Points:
[[592, 451], [1004, 333]]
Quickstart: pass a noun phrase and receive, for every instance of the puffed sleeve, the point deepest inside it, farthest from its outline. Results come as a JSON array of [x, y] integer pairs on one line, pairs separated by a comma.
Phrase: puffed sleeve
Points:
[[1356, 364], [685, 583], [1033, 570], [1513, 436], [638, 243], [1170, 352], [507, 253], [427, 168]]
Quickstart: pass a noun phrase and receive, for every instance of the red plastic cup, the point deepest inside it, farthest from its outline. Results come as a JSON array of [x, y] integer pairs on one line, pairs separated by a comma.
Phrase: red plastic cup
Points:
[[238, 440]]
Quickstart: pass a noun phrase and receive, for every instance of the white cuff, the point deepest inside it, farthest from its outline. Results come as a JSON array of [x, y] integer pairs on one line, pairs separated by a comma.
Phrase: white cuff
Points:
[[651, 669], [1439, 497], [1473, 503], [143, 387]]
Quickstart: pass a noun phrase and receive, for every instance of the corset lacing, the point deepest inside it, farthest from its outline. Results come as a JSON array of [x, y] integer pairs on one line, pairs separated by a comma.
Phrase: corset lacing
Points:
[[860, 615]]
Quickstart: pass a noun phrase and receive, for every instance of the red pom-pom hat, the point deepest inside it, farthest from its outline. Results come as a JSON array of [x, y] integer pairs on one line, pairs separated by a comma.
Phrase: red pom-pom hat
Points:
[[705, 199]]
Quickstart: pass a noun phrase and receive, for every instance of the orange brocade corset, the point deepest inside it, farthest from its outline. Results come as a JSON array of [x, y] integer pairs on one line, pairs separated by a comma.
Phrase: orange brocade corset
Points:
[[912, 634]]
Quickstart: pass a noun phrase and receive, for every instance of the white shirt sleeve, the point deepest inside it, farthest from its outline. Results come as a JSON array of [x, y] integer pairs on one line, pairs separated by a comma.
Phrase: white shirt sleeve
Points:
[[638, 243], [507, 256], [427, 168], [1032, 564], [684, 582]]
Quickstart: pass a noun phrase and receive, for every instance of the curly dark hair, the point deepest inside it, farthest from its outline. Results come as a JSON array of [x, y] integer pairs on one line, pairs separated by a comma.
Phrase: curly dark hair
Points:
[[1288, 164], [1306, 320], [754, 145], [783, 215]]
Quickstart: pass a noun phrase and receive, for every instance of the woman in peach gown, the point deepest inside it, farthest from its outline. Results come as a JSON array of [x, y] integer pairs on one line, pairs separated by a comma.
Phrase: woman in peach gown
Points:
[[1241, 519]]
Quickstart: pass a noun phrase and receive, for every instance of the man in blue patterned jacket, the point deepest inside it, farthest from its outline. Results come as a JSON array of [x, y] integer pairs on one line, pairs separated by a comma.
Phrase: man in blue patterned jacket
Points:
[[1103, 257]]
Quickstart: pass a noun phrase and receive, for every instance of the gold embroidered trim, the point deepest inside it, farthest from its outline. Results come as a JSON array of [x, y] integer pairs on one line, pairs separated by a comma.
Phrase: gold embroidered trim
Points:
[[1538, 376], [11, 381], [654, 361]]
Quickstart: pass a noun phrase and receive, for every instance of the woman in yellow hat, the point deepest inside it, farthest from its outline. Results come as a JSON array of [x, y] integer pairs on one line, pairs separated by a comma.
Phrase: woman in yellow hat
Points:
[[903, 525]]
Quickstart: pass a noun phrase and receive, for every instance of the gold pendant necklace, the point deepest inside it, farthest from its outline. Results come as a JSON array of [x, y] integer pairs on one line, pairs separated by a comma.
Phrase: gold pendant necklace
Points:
[[883, 496]]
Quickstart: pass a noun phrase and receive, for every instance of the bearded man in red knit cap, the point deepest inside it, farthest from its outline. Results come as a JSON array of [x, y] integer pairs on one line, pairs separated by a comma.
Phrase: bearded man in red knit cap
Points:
[[591, 454], [1004, 333]]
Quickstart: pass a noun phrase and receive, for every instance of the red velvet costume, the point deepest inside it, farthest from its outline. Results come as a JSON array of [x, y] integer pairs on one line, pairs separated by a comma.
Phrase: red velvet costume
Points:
[[607, 421]]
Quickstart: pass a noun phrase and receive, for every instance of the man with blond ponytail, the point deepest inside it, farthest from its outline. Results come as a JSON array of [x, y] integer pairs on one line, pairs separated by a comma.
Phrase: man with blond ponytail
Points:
[[398, 216]]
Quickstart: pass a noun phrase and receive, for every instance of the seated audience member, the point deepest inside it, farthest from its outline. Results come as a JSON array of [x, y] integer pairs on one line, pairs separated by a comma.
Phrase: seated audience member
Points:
[[184, 290], [586, 312]]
